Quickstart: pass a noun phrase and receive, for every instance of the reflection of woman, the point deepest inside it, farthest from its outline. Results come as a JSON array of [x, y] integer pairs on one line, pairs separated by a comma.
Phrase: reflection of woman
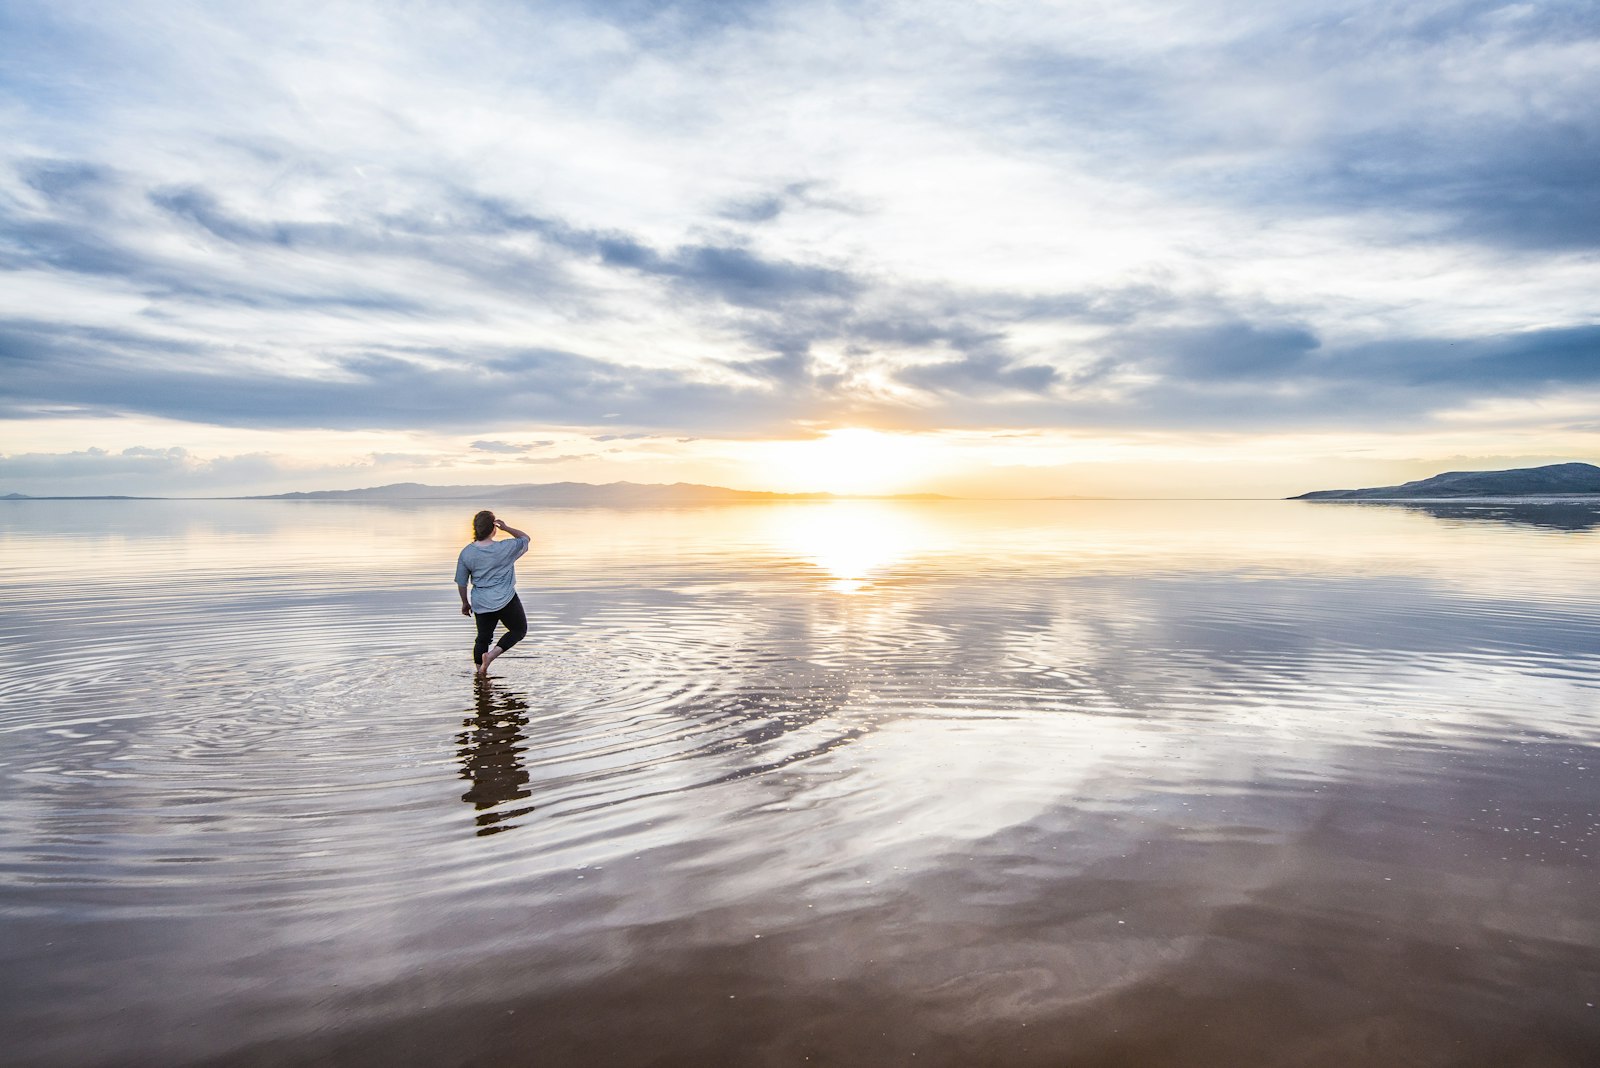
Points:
[[491, 758], [490, 566]]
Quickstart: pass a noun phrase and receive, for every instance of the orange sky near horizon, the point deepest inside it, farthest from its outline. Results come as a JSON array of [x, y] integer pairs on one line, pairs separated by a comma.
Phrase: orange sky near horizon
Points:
[[845, 460]]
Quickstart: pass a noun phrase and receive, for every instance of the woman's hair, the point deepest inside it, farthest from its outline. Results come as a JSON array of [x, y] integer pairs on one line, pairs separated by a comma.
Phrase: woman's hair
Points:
[[483, 524]]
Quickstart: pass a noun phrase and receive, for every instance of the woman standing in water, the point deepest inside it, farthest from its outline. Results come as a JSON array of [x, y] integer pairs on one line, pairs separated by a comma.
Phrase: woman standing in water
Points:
[[491, 566]]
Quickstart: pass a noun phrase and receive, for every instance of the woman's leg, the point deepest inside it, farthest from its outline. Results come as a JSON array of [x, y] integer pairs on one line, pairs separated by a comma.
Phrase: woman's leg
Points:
[[516, 623], [486, 622]]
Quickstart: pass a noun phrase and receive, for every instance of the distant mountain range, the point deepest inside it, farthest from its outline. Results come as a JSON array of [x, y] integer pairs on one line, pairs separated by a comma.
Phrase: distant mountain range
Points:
[[546, 493], [94, 497], [567, 493], [1556, 480]]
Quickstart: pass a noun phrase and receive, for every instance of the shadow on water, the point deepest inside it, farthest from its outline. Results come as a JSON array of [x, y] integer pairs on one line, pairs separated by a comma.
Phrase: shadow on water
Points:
[[491, 751]]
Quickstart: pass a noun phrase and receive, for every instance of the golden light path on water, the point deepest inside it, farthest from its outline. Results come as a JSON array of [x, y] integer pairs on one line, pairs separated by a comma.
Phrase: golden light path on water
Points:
[[857, 542], [1006, 783]]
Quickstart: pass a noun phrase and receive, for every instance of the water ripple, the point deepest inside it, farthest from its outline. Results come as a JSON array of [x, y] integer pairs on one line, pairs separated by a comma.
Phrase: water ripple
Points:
[[248, 761]]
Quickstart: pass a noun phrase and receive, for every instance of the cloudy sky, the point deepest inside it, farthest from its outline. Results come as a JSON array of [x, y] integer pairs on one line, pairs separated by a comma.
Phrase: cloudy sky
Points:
[[1143, 248]]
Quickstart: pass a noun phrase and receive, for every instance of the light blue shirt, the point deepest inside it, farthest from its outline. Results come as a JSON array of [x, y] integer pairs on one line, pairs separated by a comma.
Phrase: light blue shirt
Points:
[[493, 571]]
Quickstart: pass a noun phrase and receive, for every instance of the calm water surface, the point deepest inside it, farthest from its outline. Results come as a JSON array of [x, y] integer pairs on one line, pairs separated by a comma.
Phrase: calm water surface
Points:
[[1072, 783]]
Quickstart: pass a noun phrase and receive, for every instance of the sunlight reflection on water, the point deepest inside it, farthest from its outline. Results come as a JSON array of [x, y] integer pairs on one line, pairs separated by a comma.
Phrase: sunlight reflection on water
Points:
[[1170, 782]]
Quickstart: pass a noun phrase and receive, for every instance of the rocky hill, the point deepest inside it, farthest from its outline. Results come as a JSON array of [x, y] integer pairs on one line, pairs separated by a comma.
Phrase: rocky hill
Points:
[[1555, 480]]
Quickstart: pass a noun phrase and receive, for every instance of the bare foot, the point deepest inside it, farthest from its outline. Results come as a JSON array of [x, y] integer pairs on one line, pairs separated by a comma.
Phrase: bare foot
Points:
[[488, 658]]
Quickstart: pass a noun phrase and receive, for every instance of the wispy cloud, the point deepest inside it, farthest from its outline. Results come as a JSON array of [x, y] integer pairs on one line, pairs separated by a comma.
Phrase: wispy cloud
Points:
[[510, 447]]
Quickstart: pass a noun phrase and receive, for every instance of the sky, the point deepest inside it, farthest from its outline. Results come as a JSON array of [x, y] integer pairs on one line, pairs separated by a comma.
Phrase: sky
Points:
[[994, 249]]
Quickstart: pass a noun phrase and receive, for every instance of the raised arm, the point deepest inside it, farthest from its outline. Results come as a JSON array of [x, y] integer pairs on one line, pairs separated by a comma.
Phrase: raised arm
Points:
[[513, 531]]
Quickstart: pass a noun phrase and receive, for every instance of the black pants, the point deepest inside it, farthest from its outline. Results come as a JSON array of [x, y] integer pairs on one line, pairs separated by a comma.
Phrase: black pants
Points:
[[515, 619]]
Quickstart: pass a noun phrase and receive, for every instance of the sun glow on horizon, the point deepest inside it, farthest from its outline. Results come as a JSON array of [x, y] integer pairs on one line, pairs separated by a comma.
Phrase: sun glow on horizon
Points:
[[851, 461]]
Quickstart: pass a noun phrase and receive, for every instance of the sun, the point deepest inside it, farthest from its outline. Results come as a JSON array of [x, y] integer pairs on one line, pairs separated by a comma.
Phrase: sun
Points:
[[849, 461]]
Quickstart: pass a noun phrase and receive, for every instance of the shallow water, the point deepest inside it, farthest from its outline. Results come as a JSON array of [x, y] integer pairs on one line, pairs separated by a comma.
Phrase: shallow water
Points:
[[1054, 783]]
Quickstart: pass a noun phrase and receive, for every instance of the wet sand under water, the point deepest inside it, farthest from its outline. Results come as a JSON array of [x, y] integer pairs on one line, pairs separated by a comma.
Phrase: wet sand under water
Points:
[[1118, 783], [1237, 955]]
